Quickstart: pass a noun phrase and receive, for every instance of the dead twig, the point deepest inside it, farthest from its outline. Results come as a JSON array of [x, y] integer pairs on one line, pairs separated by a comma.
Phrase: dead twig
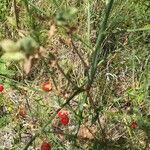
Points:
[[16, 13]]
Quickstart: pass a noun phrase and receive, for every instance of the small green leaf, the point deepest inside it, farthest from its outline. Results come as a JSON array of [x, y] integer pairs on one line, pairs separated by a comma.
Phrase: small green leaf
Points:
[[9, 46], [10, 56], [11, 21], [65, 15], [28, 45]]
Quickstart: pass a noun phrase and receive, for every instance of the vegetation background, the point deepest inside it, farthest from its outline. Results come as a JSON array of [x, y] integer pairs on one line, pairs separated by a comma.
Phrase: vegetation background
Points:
[[95, 56]]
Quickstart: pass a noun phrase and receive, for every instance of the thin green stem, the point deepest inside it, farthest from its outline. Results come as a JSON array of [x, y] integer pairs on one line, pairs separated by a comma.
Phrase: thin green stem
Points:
[[31, 20], [99, 41], [88, 22], [63, 73], [21, 85], [79, 55]]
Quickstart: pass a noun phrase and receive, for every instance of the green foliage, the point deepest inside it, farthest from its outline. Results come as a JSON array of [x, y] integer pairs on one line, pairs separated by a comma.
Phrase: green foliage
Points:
[[136, 95], [4, 121], [17, 56], [18, 51], [66, 15], [97, 60], [3, 9], [28, 45], [4, 69], [9, 46]]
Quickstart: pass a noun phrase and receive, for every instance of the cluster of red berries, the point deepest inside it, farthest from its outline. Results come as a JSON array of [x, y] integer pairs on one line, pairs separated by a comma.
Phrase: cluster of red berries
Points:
[[64, 119], [1, 88], [63, 115]]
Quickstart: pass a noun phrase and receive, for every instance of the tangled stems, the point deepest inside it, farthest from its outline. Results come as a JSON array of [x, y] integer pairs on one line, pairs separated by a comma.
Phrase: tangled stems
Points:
[[78, 91], [92, 72]]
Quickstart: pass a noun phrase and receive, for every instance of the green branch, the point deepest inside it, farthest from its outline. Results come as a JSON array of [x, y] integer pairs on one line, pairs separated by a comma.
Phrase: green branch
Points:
[[98, 47]]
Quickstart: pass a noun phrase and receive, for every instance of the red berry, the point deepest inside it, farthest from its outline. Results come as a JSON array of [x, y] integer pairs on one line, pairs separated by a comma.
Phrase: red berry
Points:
[[45, 146], [62, 114], [64, 120], [47, 86], [133, 125], [1, 88]]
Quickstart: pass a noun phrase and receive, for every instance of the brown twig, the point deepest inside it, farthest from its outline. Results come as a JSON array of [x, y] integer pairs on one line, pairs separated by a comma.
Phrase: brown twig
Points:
[[79, 55], [63, 73], [16, 13], [95, 109]]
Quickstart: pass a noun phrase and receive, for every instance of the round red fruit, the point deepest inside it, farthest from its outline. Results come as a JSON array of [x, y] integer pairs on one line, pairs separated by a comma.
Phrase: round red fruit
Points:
[[45, 146], [47, 86], [1, 88], [62, 114], [134, 125], [64, 120]]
